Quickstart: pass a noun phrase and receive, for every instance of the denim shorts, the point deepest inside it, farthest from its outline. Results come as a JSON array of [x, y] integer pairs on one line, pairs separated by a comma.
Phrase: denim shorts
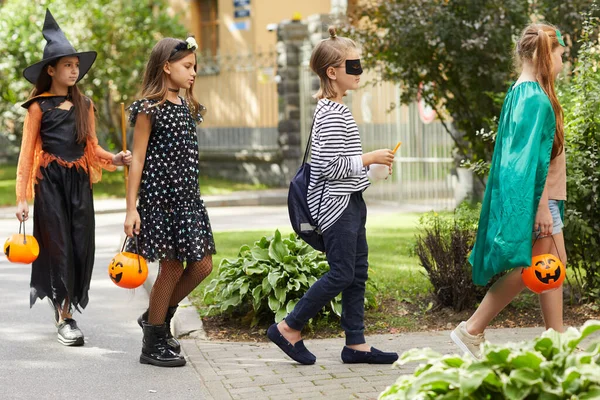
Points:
[[556, 220]]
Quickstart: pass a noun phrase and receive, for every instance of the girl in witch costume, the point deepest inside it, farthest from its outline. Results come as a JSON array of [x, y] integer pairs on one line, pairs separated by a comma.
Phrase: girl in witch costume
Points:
[[170, 219], [526, 188], [60, 159]]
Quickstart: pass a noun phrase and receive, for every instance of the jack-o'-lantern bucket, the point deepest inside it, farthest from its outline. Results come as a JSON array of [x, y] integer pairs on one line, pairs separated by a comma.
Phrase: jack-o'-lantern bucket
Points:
[[546, 273], [21, 248], [128, 270]]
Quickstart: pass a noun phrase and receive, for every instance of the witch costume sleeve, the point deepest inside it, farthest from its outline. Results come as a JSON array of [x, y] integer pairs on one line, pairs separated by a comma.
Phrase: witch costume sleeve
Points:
[[515, 184], [33, 156]]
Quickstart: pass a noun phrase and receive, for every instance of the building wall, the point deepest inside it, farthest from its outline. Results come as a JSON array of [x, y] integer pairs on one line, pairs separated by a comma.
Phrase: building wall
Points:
[[262, 13], [242, 91]]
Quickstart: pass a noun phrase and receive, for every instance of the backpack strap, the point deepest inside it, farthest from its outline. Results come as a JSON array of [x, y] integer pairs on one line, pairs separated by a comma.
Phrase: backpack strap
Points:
[[306, 152]]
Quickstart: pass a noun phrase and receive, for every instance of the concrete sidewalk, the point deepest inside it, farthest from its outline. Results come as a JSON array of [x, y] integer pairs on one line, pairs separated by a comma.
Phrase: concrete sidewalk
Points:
[[261, 371], [35, 366]]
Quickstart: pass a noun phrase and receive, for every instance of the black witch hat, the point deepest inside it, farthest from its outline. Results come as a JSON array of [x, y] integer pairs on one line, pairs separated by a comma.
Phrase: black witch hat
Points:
[[58, 46]]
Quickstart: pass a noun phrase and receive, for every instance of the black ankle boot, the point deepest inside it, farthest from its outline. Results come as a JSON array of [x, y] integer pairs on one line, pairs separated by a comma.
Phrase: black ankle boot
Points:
[[155, 350], [171, 341]]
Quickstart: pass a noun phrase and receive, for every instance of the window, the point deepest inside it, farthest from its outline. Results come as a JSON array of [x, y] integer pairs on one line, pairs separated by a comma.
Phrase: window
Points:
[[208, 26]]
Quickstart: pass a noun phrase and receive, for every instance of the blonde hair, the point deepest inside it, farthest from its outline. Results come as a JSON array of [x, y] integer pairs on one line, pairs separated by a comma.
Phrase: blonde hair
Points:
[[329, 52], [536, 45]]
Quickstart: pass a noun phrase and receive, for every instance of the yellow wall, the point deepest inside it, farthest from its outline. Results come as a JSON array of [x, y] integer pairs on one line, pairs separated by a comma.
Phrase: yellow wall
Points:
[[262, 13], [275, 11]]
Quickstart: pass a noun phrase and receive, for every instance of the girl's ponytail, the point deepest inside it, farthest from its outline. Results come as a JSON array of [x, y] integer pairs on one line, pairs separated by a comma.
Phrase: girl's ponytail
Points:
[[536, 45]]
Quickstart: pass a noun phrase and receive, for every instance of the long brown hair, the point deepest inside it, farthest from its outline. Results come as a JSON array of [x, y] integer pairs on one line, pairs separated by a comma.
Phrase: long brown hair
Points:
[[154, 85], [536, 45], [329, 52], [81, 103]]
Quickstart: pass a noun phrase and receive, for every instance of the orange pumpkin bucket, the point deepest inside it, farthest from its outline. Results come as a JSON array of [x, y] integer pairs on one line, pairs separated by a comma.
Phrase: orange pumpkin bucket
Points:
[[546, 273], [128, 270], [21, 248]]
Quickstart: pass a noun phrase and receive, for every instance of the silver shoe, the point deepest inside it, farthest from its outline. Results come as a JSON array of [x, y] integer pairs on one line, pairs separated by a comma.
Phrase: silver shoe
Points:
[[69, 333]]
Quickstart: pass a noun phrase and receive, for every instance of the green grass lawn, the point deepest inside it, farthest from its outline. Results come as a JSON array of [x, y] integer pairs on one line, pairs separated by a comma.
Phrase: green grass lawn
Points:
[[112, 185], [393, 266]]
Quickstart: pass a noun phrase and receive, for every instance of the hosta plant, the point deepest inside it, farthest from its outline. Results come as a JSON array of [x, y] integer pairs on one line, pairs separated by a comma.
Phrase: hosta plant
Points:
[[267, 279], [550, 367]]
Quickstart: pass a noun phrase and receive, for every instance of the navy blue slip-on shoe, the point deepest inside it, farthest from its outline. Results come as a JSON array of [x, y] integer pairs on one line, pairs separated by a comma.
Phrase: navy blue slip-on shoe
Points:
[[374, 356], [297, 352]]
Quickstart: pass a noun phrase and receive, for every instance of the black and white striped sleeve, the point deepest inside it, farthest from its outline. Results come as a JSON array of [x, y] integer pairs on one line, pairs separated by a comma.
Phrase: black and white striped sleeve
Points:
[[333, 139]]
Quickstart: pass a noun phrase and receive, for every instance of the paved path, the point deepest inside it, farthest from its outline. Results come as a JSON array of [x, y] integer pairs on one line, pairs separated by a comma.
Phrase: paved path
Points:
[[34, 365], [262, 371]]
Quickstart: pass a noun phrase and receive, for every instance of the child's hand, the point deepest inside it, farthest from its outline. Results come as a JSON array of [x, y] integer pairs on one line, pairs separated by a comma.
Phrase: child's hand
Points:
[[22, 211], [543, 221], [122, 158], [382, 156], [132, 223]]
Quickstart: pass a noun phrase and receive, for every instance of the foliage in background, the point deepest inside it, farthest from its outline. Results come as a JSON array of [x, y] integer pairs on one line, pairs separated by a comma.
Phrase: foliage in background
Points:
[[443, 246], [267, 279], [569, 16], [581, 101], [549, 367], [122, 32], [461, 51]]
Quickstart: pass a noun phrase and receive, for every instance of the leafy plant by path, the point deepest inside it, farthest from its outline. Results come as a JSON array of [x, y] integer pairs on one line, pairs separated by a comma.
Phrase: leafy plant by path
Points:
[[266, 280], [550, 367]]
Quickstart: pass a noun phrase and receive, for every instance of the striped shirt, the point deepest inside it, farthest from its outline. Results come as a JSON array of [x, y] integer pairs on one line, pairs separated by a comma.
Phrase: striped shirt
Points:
[[337, 170]]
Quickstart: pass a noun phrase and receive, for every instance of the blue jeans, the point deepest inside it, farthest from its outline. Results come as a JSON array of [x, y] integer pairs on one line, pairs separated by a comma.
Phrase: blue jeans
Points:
[[347, 254]]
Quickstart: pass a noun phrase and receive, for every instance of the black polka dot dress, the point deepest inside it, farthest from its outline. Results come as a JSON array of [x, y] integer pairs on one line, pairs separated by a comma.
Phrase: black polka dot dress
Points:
[[175, 224]]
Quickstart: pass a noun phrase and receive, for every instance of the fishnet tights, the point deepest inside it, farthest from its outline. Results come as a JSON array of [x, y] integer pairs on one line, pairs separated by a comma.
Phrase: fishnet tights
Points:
[[173, 283], [193, 274]]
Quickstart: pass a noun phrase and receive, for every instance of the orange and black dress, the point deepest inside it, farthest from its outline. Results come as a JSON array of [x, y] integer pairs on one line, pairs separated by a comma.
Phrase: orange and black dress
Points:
[[58, 172]]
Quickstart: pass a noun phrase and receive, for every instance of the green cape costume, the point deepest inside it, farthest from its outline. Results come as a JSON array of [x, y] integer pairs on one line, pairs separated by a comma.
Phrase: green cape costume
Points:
[[515, 183]]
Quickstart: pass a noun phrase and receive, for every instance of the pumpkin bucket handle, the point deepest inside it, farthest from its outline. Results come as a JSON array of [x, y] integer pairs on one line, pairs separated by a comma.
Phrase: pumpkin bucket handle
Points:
[[22, 224], [137, 251], [554, 241]]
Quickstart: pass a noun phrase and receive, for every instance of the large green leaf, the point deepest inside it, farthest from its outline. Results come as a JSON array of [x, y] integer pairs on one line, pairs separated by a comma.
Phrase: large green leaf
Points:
[[231, 302], [587, 329], [274, 303], [274, 278], [526, 360], [336, 306], [280, 294], [260, 253], [293, 284], [263, 243], [290, 305], [244, 288], [243, 250], [280, 315], [277, 249]]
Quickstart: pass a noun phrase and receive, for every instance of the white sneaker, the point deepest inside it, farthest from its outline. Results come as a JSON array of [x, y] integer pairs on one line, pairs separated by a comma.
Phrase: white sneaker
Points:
[[468, 343]]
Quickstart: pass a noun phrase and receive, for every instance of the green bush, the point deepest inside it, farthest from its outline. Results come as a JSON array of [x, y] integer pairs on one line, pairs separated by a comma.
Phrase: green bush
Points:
[[268, 279], [582, 134], [550, 367], [443, 248]]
